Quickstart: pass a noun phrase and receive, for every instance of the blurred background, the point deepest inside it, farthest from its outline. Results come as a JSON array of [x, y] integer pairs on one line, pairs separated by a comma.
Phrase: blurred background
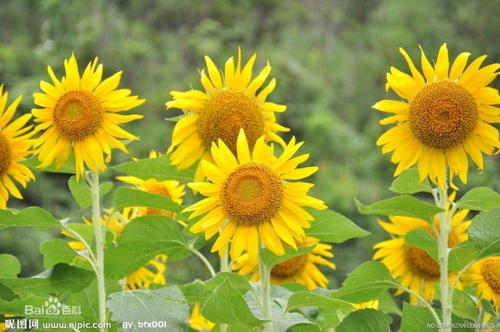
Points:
[[329, 58]]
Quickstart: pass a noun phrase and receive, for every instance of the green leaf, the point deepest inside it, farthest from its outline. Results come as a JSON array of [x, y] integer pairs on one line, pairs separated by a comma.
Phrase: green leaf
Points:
[[133, 197], [484, 233], [461, 255], [157, 168], [29, 217], [239, 282], [366, 320], [366, 283], [308, 299], [421, 239], [408, 182], [81, 191], [166, 306], [227, 306], [464, 306], [199, 291], [481, 198], [404, 205], [62, 278], [57, 251], [418, 319], [270, 259], [330, 226], [141, 240], [10, 266]]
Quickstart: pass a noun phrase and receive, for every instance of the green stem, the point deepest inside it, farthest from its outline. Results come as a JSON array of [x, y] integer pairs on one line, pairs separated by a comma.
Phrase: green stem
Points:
[[265, 288], [444, 230], [224, 267], [99, 238], [203, 259]]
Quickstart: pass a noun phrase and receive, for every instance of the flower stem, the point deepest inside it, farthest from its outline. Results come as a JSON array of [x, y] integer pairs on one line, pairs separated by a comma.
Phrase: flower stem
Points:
[[444, 230], [99, 238], [265, 289], [224, 267]]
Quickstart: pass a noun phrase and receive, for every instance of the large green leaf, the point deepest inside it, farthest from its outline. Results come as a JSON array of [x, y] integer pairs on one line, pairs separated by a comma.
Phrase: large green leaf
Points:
[[227, 306], [401, 206], [481, 198], [461, 255], [199, 291], [270, 259], [484, 233], [421, 239], [10, 266], [141, 240], [330, 226], [366, 320], [132, 197], [165, 309], [464, 306], [408, 182], [417, 319], [62, 278], [57, 251], [308, 299], [157, 168], [81, 191], [29, 217], [365, 283]]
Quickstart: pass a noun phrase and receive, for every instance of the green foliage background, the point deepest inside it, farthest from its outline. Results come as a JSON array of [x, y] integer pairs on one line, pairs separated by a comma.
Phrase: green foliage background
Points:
[[329, 58]]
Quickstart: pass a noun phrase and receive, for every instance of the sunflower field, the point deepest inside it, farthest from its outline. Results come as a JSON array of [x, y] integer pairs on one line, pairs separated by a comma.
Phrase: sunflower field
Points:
[[254, 165]]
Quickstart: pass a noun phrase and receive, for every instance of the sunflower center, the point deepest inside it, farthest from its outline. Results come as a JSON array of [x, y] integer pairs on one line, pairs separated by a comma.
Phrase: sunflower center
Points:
[[225, 113], [5, 154], [78, 114], [443, 115], [490, 271], [289, 267], [422, 263], [252, 194]]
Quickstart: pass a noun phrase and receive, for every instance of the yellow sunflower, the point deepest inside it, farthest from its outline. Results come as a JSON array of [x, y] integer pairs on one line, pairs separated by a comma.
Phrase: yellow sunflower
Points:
[[15, 145], [198, 321], [152, 272], [445, 115], [231, 101], [485, 275], [373, 304], [250, 199], [414, 268], [171, 189], [82, 114], [301, 269]]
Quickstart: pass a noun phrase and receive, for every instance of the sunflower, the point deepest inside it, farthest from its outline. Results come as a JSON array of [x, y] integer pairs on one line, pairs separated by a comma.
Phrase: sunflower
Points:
[[198, 322], [446, 116], [15, 145], [485, 275], [414, 268], [250, 199], [301, 269], [230, 102], [82, 114], [171, 189], [373, 304], [152, 272]]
